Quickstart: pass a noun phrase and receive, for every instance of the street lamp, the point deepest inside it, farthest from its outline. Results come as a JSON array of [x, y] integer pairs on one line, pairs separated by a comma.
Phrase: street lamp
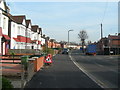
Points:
[[68, 36]]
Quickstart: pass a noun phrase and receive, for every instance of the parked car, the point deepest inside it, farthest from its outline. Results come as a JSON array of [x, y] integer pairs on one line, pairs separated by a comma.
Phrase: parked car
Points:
[[65, 51]]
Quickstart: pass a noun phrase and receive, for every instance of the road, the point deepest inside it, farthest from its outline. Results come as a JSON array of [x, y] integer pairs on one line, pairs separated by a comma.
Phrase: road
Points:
[[77, 70], [62, 74], [102, 69]]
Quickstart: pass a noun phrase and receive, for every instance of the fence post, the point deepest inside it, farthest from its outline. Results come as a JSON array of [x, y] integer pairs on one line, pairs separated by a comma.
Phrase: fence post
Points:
[[24, 63], [22, 77], [28, 74]]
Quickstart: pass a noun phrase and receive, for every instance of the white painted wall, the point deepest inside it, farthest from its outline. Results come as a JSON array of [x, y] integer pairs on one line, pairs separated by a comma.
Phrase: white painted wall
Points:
[[14, 31], [2, 5], [42, 41], [3, 48], [0, 18], [3, 20], [35, 46], [4, 25], [39, 38]]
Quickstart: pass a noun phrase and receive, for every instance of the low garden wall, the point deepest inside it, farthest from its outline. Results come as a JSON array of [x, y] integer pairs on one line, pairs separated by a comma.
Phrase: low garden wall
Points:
[[24, 75], [24, 51], [38, 62]]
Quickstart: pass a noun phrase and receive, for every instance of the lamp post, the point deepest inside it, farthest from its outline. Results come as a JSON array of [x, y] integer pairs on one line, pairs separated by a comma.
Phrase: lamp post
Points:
[[68, 36]]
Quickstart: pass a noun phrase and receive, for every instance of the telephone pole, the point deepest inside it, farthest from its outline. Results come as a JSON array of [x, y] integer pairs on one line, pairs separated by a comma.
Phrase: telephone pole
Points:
[[101, 31], [101, 39], [68, 37]]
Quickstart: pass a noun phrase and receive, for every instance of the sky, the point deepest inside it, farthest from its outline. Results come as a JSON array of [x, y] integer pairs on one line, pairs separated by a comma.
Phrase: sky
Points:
[[56, 18]]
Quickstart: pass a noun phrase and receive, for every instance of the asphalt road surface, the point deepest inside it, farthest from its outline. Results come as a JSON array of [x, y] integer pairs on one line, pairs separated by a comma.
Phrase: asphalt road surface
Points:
[[63, 74], [103, 69]]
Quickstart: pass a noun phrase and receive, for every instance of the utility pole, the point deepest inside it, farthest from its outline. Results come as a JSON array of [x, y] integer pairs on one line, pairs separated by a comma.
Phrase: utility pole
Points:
[[101, 39], [68, 37], [101, 31]]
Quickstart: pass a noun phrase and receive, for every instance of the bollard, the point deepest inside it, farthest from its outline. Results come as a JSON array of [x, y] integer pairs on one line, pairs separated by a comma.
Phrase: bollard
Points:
[[22, 77]]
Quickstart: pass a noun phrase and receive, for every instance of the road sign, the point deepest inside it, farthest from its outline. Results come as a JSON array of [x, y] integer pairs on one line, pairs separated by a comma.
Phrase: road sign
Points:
[[48, 59]]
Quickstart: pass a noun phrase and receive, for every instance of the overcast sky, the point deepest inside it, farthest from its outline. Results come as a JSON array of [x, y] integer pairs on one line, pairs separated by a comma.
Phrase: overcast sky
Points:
[[56, 18]]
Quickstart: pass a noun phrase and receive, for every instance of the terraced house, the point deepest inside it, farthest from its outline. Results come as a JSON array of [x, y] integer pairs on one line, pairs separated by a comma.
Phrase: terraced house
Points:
[[25, 35], [4, 21], [16, 32], [28, 34], [36, 37]]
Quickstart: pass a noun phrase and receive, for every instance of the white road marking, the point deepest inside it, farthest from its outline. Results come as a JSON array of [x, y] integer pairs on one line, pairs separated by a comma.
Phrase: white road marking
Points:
[[98, 82]]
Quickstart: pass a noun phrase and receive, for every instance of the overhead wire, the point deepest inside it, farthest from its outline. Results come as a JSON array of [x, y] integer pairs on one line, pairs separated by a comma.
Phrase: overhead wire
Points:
[[105, 10]]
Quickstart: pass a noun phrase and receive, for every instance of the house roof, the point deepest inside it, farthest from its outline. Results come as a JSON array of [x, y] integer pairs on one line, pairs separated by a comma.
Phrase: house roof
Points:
[[7, 10], [6, 7], [34, 28], [28, 22], [6, 37], [18, 19], [113, 37], [40, 31]]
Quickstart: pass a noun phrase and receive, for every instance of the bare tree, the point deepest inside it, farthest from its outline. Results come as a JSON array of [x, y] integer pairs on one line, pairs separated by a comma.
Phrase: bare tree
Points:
[[83, 36]]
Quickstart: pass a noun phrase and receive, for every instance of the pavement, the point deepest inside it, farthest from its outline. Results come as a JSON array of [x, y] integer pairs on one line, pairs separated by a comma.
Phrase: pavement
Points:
[[61, 74]]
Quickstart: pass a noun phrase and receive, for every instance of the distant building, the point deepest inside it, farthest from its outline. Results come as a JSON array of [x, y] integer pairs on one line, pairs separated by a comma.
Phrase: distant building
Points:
[[75, 46], [63, 44], [101, 45], [114, 43], [109, 45]]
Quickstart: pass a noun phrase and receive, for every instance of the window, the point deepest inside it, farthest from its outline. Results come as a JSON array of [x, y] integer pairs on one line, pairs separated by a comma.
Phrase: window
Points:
[[0, 19], [18, 30], [18, 46], [13, 26], [23, 32], [29, 34], [4, 22], [35, 37]]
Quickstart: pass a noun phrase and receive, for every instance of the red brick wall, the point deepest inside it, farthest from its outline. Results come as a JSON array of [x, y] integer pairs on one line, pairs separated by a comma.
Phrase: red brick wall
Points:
[[115, 42], [38, 63]]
